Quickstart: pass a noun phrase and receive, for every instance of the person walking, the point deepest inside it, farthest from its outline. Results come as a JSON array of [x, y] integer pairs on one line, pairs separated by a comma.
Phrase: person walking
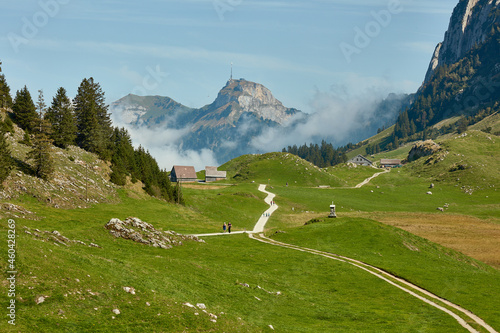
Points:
[[229, 227], [224, 226]]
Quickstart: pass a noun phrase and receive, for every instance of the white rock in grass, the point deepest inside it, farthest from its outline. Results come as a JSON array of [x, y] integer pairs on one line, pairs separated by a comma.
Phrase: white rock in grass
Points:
[[116, 311], [271, 327], [189, 305], [201, 306], [40, 299], [129, 290]]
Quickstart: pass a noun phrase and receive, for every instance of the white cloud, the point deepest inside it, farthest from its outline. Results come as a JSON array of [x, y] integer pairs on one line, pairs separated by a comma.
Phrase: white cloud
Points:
[[163, 145], [337, 114]]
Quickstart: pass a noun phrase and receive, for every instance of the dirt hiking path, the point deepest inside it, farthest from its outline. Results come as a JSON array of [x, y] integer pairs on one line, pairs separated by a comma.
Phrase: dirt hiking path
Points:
[[464, 317]]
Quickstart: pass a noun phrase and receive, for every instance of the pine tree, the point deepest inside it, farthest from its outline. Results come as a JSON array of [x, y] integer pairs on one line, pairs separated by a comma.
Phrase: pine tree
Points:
[[6, 162], [24, 110], [62, 118], [43, 164], [5, 98], [92, 118], [40, 153], [178, 197]]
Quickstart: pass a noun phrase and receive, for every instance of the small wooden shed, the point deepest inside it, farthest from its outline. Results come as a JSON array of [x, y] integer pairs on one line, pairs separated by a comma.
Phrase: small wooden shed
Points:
[[390, 163], [213, 175], [183, 174]]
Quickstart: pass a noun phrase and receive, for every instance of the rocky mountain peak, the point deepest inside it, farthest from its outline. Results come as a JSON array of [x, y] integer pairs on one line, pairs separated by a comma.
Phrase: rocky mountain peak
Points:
[[251, 97], [470, 24]]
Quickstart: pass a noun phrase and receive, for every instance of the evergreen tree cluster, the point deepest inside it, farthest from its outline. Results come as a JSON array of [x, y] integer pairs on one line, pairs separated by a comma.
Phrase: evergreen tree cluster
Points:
[[85, 122], [322, 156], [138, 164]]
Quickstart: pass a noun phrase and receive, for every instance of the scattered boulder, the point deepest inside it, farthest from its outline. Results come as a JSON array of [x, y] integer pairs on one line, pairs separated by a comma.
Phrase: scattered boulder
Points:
[[441, 209], [40, 299], [116, 311], [142, 232], [55, 237], [429, 193], [130, 290], [422, 149]]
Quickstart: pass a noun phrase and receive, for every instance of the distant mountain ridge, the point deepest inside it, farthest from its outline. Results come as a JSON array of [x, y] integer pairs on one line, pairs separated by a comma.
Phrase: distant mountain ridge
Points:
[[241, 111]]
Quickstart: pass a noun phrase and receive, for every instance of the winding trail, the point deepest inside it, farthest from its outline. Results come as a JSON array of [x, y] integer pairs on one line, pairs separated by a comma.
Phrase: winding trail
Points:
[[366, 181], [464, 317], [456, 312]]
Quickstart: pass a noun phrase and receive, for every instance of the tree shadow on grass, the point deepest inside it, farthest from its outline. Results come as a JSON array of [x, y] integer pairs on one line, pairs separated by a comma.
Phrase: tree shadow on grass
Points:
[[24, 167]]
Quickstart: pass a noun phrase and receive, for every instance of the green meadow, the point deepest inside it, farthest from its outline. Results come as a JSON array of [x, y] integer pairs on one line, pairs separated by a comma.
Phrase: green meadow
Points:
[[246, 285]]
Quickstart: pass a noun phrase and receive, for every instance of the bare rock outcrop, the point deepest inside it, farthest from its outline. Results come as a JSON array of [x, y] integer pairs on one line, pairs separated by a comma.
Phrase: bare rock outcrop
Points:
[[142, 232], [422, 149]]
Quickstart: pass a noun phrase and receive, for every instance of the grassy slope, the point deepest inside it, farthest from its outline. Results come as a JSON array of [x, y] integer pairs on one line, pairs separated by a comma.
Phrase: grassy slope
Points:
[[492, 121], [443, 271], [208, 273], [279, 169], [383, 136], [317, 294]]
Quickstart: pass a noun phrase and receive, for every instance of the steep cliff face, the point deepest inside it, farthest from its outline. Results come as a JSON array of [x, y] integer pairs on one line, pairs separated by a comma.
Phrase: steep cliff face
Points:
[[464, 74], [470, 25], [253, 98]]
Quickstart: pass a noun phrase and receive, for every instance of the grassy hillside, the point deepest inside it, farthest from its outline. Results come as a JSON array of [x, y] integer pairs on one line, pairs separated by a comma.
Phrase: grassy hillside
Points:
[[279, 169], [80, 178], [445, 272], [291, 291], [245, 285]]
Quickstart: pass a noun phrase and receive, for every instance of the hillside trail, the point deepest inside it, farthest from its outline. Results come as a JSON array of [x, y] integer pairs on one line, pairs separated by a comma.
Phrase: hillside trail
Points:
[[367, 180], [463, 317], [261, 223]]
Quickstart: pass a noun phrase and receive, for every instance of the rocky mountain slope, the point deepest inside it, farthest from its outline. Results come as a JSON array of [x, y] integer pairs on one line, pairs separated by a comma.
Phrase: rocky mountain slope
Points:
[[241, 111], [463, 79], [470, 25], [80, 180]]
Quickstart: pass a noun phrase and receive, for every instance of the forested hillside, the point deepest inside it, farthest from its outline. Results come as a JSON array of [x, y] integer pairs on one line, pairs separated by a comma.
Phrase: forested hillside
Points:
[[83, 122]]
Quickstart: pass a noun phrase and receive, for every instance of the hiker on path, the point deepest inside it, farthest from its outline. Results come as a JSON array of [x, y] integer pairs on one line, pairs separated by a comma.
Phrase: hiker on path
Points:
[[224, 226], [229, 227]]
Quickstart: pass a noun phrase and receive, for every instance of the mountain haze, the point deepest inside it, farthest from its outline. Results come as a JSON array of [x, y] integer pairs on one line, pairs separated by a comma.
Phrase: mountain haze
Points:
[[241, 111]]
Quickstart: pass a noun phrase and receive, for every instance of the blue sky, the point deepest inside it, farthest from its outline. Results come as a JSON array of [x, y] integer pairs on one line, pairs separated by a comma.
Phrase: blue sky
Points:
[[183, 48]]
